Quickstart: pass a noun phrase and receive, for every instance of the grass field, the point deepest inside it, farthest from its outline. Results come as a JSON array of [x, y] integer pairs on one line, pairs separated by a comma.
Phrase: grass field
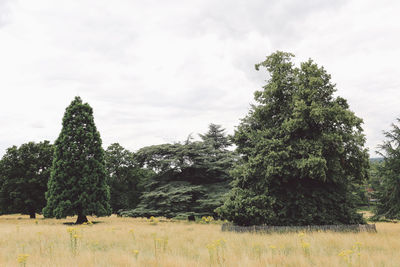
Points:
[[138, 242]]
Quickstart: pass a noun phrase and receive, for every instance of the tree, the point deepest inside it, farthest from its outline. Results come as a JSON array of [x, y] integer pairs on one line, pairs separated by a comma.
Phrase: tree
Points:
[[375, 181], [190, 178], [24, 173], [77, 184], [302, 150], [216, 137], [125, 178], [388, 193]]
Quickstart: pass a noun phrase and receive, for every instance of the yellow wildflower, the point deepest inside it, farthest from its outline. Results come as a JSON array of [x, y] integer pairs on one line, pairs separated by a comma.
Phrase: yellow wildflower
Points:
[[22, 258], [345, 253], [76, 236], [72, 230], [358, 245], [135, 253], [305, 245], [153, 220]]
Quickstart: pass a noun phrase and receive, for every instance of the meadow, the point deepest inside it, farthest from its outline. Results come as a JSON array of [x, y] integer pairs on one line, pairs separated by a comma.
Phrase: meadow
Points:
[[114, 241]]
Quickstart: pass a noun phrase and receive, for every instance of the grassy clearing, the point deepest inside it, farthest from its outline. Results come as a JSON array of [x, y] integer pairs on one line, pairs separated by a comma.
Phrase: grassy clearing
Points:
[[138, 242]]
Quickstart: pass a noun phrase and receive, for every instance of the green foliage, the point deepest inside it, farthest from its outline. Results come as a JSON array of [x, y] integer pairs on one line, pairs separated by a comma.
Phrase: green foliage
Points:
[[78, 179], [216, 137], [302, 151], [388, 177], [375, 178], [365, 194], [190, 178], [125, 178], [24, 173], [360, 194]]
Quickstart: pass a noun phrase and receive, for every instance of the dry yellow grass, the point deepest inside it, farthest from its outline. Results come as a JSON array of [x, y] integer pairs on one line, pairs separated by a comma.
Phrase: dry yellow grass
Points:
[[137, 242]]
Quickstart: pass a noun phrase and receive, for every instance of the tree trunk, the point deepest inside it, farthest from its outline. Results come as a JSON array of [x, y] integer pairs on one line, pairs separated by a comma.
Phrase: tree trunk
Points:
[[81, 219], [32, 215]]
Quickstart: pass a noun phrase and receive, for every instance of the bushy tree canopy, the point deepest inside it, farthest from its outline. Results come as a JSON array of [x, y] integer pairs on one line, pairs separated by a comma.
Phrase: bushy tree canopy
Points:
[[388, 185], [125, 178], [77, 185], [191, 178], [302, 149], [24, 173]]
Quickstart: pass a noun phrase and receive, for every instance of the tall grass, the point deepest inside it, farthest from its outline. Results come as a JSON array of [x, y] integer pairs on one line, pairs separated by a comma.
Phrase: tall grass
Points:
[[138, 242]]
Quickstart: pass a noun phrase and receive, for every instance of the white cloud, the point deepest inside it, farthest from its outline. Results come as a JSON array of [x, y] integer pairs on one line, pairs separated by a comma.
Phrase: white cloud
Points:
[[156, 71]]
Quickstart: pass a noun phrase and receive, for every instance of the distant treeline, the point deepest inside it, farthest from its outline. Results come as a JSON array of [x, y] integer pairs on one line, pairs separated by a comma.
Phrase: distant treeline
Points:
[[172, 180]]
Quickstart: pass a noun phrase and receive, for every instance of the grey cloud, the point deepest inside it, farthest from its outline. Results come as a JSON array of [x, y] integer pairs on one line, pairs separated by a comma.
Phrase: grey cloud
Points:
[[155, 71], [281, 20]]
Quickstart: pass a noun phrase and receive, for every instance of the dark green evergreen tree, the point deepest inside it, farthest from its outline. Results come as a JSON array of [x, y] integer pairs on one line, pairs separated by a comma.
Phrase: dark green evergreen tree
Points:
[[125, 178], [191, 178], [24, 173], [216, 137], [388, 186], [78, 185], [302, 151]]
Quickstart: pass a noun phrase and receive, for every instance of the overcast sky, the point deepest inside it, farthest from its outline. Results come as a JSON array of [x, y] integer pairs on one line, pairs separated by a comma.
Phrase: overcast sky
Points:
[[156, 71]]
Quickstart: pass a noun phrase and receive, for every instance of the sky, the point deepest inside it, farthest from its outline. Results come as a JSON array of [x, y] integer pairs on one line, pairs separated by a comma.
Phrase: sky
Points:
[[156, 71]]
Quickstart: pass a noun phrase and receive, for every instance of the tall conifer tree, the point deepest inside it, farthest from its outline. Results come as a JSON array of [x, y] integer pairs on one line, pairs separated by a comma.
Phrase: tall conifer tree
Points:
[[77, 185], [302, 151]]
